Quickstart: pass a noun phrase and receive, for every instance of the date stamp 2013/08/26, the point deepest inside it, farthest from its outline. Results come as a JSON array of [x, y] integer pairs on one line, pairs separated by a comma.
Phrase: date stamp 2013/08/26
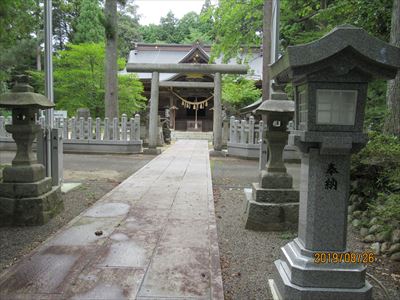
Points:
[[344, 257]]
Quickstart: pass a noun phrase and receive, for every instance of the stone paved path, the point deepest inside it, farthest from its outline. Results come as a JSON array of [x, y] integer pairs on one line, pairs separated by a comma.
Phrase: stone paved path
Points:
[[158, 241]]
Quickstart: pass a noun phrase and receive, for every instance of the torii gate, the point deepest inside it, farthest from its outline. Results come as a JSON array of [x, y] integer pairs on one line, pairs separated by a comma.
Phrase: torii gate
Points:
[[216, 69]]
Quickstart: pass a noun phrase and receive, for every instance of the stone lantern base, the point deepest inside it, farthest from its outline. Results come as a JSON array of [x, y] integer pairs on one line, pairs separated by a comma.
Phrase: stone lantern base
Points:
[[297, 276], [269, 209], [28, 203]]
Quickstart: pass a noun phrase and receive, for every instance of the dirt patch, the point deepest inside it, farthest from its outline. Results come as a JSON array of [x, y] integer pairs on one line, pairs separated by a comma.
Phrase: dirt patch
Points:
[[73, 175]]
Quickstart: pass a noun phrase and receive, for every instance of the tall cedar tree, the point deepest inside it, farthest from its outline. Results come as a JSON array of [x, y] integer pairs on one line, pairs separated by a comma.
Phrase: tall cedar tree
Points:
[[88, 26], [111, 66], [392, 124]]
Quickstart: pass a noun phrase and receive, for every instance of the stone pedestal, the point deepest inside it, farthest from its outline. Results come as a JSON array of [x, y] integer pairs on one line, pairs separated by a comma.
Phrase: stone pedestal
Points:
[[272, 203], [322, 229], [26, 195], [297, 276]]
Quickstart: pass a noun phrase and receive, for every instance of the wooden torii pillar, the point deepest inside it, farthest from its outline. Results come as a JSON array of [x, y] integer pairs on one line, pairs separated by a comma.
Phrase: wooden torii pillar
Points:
[[216, 69]]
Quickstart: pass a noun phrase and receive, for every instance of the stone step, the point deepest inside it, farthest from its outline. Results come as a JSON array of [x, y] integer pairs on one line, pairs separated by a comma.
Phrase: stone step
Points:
[[191, 135]]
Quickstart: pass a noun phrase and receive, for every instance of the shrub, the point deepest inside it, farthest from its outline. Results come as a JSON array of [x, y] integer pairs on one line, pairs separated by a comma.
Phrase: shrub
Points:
[[375, 175]]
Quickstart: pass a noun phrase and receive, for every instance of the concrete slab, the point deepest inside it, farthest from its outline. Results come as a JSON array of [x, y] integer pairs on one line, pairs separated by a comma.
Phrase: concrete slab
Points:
[[69, 186], [152, 237]]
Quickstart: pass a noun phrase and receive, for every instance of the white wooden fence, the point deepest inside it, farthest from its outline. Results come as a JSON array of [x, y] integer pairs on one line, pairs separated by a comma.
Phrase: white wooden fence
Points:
[[245, 137], [245, 132], [91, 135]]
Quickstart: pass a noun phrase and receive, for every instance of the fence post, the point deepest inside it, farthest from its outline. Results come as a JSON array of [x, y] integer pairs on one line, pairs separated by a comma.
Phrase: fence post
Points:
[[73, 128], [106, 135], [2, 127], [232, 129], [65, 129], [237, 125], [57, 123], [131, 129], [251, 130], [115, 129], [137, 127], [98, 129], [123, 127], [90, 128], [81, 128], [243, 132]]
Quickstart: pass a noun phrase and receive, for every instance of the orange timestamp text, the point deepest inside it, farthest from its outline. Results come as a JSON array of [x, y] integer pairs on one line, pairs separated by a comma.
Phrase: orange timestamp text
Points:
[[344, 257]]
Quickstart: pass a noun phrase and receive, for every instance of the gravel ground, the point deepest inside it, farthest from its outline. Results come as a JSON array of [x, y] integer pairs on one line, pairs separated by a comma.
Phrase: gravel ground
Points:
[[98, 174], [247, 256]]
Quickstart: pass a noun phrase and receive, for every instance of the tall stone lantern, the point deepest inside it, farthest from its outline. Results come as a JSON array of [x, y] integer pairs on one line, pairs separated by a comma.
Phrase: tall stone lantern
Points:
[[26, 195], [330, 77], [272, 204]]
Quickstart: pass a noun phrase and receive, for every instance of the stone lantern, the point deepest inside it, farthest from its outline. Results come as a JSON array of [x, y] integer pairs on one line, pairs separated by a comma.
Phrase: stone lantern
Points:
[[26, 195], [330, 77], [272, 203]]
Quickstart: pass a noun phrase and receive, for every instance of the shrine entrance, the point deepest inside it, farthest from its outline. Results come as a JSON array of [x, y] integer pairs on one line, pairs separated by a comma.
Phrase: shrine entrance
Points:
[[192, 113], [215, 69]]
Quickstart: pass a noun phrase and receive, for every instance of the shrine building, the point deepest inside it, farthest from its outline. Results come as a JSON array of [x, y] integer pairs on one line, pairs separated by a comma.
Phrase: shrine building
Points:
[[189, 108]]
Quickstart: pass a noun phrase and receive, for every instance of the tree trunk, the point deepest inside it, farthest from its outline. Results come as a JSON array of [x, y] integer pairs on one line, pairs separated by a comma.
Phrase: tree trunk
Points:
[[392, 122], [267, 21], [111, 67]]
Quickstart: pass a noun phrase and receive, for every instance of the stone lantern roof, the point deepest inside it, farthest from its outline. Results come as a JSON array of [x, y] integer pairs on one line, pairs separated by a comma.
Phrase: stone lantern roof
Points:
[[22, 95], [343, 49]]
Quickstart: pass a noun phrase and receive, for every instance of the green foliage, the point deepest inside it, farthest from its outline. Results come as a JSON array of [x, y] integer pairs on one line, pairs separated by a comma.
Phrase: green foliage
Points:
[[237, 24], [65, 16], [387, 208], [150, 33], [128, 29], [79, 81], [381, 149], [168, 26], [89, 28], [17, 19], [130, 97], [377, 169], [17, 57], [237, 91], [20, 32], [375, 110], [305, 21], [190, 28]]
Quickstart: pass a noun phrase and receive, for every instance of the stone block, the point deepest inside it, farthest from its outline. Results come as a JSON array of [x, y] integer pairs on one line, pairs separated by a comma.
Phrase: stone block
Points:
[[283, 195], [297, 276], [269, 216], [305, 272], [270, 180], [30, 211], [152, 151], [288, 290], [25, 189], [24, 173]]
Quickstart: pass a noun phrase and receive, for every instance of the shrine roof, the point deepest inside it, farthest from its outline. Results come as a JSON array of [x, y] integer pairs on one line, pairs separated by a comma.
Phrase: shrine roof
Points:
[[182, 53]]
